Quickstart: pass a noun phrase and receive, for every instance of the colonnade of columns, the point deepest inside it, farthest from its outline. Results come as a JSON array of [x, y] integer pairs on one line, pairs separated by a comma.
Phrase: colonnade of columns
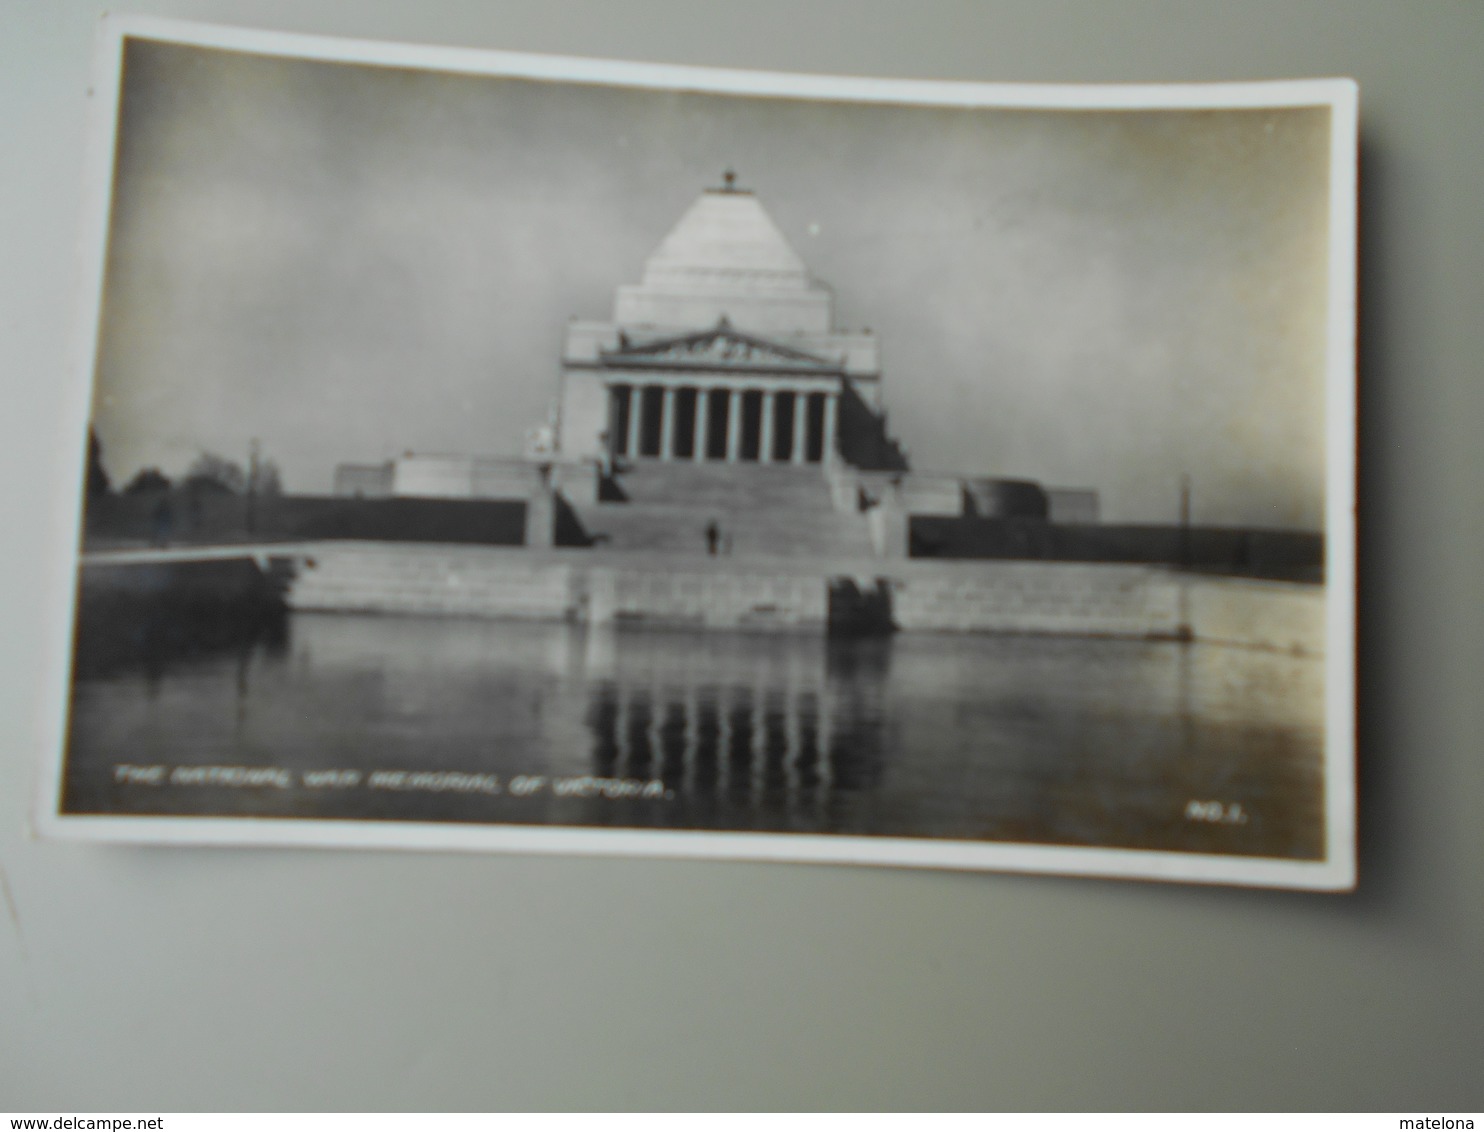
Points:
[[728, 423]]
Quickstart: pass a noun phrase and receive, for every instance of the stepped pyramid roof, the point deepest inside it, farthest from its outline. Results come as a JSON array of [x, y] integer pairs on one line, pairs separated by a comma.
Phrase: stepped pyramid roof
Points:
[[726, 258], [726, 232]]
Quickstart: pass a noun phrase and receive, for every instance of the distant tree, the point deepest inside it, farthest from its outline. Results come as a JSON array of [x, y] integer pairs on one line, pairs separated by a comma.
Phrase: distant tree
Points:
[[212, 473], [147, 480], [97, 478]]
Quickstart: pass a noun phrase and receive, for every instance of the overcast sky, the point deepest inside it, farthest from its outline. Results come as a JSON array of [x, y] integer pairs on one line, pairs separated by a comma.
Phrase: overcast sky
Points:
[[348, 262]]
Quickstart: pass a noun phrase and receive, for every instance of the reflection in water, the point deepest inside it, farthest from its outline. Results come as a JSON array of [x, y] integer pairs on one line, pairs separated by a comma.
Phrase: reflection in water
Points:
[[1059, 740], [772, 749], [162, 627], [769, 730]]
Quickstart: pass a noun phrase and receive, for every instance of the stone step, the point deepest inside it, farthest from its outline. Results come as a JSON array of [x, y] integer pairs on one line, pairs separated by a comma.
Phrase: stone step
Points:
[[678, 528], [732, 486]]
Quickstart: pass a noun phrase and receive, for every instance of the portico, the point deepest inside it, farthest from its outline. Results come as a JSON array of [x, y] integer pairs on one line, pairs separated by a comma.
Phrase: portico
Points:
[[721, 421], [720, 395]]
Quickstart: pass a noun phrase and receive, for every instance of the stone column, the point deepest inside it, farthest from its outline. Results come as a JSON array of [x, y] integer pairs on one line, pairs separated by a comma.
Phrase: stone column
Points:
[[831, 411], [636, 409], [734, 426], [765, 430], [702, 425], [667, 423], [801, 427]]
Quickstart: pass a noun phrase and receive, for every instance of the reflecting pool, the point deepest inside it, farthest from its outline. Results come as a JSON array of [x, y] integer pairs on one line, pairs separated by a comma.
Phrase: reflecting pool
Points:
[[1004, 738]]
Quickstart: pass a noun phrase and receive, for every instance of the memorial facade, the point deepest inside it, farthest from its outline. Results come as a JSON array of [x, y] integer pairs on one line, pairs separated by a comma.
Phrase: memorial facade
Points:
[[725, 351], [722, 360]]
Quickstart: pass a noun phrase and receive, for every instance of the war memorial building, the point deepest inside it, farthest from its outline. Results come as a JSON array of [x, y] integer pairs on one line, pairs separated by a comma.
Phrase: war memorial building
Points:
[[726, 350], [720, 391]]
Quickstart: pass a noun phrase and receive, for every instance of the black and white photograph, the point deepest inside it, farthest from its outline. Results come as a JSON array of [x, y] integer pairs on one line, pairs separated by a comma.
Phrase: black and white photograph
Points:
[[488, 451]]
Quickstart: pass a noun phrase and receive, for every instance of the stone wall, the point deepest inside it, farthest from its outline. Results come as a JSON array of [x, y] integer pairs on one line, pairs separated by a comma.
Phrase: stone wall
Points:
[[707, 599], [932, 494], [1036, 597], [1243, 611], [509, 478], [433, 477], [380, 578], [369, 481], [183, 517], [1108, 599], [773, 593], [1071, 505], [431, 579], [1246, 551], [583, 419]]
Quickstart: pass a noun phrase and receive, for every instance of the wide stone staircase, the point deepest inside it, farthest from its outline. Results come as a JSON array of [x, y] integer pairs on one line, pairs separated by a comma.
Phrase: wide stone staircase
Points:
[[778, 509]]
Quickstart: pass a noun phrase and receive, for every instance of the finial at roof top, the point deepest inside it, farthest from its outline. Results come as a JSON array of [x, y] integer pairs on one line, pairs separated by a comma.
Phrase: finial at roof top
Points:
[[729, 183]]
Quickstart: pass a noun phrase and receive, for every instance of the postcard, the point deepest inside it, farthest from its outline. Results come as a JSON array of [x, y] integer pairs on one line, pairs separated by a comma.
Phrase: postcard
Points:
[[505, 452]]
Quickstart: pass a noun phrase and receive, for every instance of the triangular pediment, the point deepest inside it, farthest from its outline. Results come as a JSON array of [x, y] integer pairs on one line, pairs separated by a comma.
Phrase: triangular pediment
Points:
[[719, 348]]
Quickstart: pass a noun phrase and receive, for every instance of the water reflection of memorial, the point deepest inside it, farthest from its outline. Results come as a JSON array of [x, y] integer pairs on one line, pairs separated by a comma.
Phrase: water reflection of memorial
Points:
[[737, 728]]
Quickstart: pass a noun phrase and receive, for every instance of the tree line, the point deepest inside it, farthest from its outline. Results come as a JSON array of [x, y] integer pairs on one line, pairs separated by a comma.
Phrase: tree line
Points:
[[209, 473]]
